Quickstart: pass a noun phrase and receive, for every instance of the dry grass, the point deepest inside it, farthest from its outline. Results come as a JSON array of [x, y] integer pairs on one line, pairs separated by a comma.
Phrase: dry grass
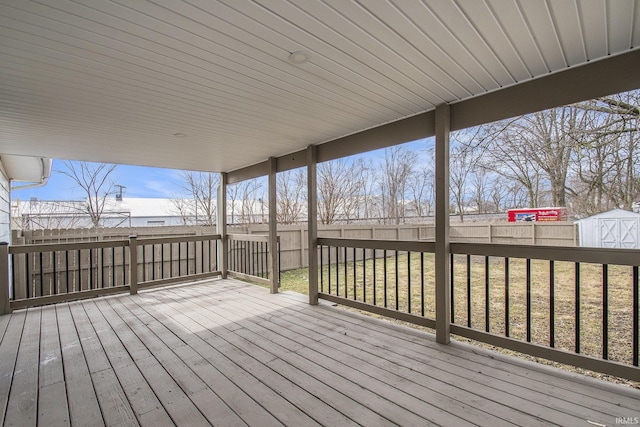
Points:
[[415, 295]]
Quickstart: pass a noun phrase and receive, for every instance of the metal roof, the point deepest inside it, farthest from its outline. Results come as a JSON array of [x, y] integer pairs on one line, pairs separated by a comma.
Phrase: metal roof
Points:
[[213, 85]]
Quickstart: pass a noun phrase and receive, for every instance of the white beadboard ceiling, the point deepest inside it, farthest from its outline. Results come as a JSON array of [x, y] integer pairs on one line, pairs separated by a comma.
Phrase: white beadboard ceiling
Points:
[[116, 81]]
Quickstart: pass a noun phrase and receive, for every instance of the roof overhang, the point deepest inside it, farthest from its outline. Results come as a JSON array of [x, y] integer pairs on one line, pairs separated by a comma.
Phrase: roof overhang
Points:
[[211, 85], [26, 169]]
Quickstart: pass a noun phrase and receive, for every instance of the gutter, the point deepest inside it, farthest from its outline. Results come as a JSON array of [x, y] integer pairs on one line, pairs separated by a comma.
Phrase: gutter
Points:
[[46, 174]]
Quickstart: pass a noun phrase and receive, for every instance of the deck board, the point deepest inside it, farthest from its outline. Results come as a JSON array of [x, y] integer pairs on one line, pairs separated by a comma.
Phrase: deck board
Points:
[[222, 352]]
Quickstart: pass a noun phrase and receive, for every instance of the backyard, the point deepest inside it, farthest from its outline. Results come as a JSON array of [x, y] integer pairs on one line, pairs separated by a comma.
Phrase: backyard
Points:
[[409, 279]]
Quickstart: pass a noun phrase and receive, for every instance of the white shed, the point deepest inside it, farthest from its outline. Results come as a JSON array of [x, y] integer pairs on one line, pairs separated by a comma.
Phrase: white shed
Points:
[[614, 229]]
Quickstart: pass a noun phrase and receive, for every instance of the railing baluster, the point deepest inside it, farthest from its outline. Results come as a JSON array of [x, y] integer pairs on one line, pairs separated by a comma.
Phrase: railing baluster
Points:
[[66, 261], [364, 275], [102, 268], [577, 305], [329, 270], [469, 291], [375, 279], [170, 259], [528, 278], [636, 317], [162, 260], [384, 254], [337, 271], [179, 259], [27, 277], [90, 268], [506, 296], [113, 266], [397, 280], [151, 271], [422, 285], [78, 255], [452, 283], [552, 304], [322, 269], [355, 292], [605, 311], [346, 286], [408, 281], [486, 294], [55, 275], [144, 264], [41, 274]]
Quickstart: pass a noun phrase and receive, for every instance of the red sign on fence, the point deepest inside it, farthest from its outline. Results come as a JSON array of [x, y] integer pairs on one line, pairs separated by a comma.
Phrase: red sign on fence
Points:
[[537, 214]]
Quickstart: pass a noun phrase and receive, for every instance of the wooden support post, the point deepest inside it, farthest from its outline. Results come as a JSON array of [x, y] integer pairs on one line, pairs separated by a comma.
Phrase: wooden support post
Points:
[[312, 222], [221, 226], [133, 264], [5, 307], [442, 256], [273, 227]]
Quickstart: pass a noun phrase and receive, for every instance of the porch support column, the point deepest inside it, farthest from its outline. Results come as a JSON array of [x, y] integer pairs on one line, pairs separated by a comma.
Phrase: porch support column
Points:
[[273, 226], [221, 225], [442, 258], [312, 222]]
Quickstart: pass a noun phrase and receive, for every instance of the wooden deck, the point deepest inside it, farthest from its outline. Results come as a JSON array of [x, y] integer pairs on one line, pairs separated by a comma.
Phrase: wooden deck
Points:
[[226, 353]]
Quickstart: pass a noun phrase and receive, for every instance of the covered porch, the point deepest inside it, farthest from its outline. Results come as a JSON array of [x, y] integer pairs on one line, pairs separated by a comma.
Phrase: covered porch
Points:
[[224, 352], [252, 89]]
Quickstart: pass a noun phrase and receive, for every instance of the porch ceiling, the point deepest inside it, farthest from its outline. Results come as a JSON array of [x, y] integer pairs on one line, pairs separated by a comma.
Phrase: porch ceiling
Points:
[[208, 85]]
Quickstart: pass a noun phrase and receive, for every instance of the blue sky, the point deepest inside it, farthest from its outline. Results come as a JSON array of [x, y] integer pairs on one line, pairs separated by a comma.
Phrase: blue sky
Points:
[[140, 182]]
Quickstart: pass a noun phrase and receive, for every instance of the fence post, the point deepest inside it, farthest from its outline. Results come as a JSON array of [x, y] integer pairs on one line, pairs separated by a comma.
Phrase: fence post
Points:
[[5, 307], [133, 264]]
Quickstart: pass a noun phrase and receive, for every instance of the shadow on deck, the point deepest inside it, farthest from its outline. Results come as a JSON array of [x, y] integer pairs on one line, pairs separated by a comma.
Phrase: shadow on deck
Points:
[[223, 352]]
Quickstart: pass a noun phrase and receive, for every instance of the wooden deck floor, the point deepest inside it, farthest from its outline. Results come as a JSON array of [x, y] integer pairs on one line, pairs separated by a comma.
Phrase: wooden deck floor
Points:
[[227, 353]]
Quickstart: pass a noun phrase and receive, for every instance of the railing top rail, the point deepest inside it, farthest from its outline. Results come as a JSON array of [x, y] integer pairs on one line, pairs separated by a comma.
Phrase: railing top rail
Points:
[[51, 247], [400, 245], [167, 240], [249, 237], [556, 253]]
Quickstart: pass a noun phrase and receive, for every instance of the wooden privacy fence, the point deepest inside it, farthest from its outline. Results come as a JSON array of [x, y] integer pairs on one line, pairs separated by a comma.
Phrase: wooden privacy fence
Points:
[[294, 251]]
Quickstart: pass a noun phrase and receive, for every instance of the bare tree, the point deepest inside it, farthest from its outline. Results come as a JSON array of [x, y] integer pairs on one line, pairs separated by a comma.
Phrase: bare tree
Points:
[[291, 196], [421, 186], [95, 180], [251, 194], [607, 161], [199, 206], [339, 185], [397, 167]]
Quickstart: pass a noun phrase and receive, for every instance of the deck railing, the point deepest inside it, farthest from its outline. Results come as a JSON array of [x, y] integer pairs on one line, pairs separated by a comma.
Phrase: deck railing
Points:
[[248, 257], [47, 273], [577, 306]]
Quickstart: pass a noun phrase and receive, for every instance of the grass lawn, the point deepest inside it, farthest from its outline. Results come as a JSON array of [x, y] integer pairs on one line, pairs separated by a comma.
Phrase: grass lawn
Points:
[[415, 293]]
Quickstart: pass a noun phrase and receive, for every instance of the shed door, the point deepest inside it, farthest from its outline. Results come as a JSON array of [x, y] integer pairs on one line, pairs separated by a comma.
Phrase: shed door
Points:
[[608, 232], [629, 233], [619, 233]]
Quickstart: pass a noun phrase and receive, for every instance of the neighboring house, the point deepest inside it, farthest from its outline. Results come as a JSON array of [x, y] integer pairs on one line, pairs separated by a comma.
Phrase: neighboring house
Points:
[[617, 228], [24, 171]]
